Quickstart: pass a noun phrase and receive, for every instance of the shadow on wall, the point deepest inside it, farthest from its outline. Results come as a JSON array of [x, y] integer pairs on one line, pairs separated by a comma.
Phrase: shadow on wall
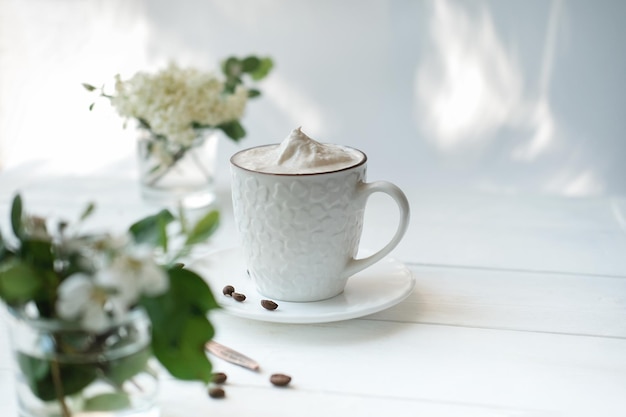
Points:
[[471, 85]]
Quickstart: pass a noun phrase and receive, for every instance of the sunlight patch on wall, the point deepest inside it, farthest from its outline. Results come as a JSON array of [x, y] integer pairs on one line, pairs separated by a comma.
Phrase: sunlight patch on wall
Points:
[[469, 87], [541, 116], [49, 119], [584, 183], [618, 208]]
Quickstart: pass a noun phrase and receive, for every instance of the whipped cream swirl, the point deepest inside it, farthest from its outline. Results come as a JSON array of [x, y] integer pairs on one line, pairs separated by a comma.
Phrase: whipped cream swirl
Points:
[[298, 154]]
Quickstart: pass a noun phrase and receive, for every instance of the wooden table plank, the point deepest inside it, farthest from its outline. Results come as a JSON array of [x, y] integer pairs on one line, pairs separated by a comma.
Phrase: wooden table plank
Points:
[[506, 232], [456, 365], [185, 399], [407, 367], [543, 302]]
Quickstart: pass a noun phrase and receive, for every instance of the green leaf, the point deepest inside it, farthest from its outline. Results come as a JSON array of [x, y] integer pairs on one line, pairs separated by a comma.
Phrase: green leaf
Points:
[[39, 253], [200, 126], [151, 229], [87, 211], [231, 67], [204, 228], [181, 326], [110, 401], [252, 93], [19, 282], [88, 87], [186, 358], [193, 291], [263, 70], [250, 64], [38, 375], [16, 217], [162, 237], [91, 106], [126, 367], [233, 130], [188, 293], [34, 370]]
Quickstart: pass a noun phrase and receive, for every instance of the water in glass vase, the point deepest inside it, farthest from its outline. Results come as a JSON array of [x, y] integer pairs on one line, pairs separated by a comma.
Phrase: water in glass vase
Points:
[[173, 174], [63, 370]]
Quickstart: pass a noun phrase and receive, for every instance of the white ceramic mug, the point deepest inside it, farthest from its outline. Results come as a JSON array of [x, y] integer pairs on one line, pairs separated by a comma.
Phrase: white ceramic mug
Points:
[[300, 233]]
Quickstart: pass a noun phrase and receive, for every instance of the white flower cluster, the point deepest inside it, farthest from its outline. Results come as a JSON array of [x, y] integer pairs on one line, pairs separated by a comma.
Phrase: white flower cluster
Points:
[[123, 274], [172, 100]]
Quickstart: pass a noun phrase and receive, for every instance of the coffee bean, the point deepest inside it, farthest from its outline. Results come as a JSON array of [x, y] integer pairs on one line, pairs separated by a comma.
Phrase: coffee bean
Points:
[[280, 380], [216, 392], [228, 290], [269, 305], [238, 296], [218, 378]]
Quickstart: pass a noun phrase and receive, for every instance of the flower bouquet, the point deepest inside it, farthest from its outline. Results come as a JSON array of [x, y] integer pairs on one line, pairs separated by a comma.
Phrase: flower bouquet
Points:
[[89, 312], [178, 111]]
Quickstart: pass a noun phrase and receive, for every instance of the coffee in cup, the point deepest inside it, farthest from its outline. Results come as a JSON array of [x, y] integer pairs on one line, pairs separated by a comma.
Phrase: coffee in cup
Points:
[[298, 208]]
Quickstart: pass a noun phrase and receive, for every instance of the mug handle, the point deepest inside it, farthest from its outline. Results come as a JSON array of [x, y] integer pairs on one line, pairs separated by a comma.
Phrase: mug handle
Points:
[[364, 191]]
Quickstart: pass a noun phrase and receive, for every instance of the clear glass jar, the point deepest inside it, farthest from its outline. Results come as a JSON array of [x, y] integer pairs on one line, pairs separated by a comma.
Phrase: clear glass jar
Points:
[[62, 370], [172, 174]]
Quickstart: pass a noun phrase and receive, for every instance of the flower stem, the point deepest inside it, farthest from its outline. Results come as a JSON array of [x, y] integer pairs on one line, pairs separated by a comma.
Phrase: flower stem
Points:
[[180, 154], [175, 158], [58, 387]]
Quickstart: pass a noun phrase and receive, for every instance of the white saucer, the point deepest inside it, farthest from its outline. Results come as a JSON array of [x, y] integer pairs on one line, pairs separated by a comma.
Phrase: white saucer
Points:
[[377, 288]]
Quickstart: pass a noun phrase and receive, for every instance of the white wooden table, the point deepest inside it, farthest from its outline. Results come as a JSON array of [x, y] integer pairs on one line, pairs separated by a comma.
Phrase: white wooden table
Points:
[[519, 310]]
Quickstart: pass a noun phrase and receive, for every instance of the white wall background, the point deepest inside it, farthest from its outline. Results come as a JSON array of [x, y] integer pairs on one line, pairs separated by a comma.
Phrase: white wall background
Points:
[[506, 96]]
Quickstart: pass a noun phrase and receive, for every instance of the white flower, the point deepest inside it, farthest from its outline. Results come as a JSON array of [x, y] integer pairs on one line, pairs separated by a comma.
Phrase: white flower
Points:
[[175, 98], [80, 298], [112, 290], [132, 274], [116, 242]]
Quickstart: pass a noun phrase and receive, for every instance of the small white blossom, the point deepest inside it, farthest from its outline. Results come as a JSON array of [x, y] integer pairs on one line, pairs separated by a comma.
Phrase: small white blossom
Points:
[[80, 298], [133, 273], [117, 242]]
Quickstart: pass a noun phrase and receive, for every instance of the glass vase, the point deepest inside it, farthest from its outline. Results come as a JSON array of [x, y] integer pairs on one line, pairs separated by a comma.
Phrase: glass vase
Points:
[[63, 370], [172, 174]]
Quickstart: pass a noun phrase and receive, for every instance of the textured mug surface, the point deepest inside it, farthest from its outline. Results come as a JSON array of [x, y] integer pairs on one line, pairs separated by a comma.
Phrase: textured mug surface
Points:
[[300, 233]]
